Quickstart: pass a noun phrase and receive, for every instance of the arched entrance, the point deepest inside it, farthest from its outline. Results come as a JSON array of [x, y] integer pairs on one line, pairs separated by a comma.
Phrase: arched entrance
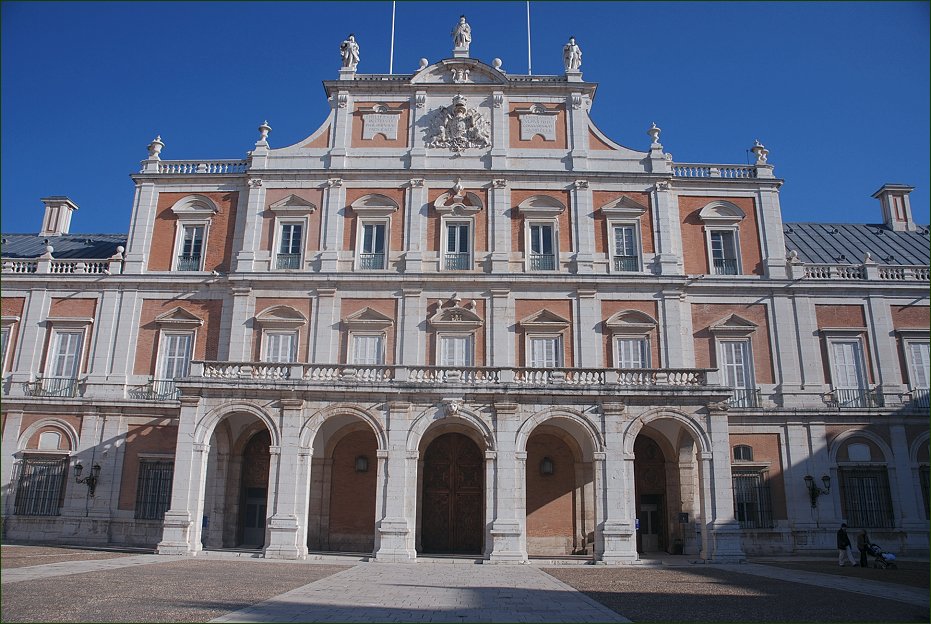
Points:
[[453, 492], [650, 495], [256, 459]]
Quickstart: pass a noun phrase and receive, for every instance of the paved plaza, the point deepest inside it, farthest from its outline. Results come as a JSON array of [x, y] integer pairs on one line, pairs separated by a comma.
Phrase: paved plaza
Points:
[[74, 585]]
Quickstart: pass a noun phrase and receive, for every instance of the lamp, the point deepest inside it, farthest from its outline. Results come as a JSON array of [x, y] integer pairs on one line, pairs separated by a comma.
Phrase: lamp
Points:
[[547, 467], [362, 463], [90, 480], [814, 491]]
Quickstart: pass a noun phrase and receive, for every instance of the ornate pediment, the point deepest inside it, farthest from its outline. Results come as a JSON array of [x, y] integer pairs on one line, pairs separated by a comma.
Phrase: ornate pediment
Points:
[[541, 206], [456, 318], [374, 205], [631, 322], [280, 316], [733, 325], [293, 205], [179, 317], [459, 71], [544, 320], [721, 212], [367, 318], [458, 127], [195, 206], [623, 208], [458, 201]]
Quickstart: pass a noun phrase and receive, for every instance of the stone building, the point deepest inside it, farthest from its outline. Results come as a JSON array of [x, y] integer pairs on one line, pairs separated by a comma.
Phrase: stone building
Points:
[[459, 318]]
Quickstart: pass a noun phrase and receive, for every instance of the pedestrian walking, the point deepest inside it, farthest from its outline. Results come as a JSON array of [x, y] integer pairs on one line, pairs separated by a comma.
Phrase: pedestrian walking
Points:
[[843, 547], [863, 545]]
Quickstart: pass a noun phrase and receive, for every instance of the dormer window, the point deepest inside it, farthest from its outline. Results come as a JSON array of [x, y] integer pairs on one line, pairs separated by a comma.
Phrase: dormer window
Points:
[[722, 237]]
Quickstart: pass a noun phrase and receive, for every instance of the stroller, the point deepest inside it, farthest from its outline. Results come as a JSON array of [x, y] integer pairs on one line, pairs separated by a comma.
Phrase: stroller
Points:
[[881, 559]]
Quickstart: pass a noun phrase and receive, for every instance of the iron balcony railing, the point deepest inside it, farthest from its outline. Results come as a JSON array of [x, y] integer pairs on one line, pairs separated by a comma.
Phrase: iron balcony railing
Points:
[[921, 397], [746, 397], [162, 390], [855, 398], [626, 263], [372, 261], [457, 262], [64, 387], [189, 263], [542, 262], [725, 266], [288, 261]]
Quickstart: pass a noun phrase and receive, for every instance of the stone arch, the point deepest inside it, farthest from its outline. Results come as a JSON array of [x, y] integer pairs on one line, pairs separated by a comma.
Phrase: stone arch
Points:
[[206, 425], [556, 413], [920, 441], [69, 432], [195, 204], [841, 440], [635, 426], [446, 414], [313, 424]]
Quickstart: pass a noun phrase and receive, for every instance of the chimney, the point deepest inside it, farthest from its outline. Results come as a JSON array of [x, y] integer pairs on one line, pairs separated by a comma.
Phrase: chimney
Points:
[[57, 219], [897, 211]]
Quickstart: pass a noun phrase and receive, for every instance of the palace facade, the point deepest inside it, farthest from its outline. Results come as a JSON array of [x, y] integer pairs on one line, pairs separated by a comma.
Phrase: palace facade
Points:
[[459, 319]]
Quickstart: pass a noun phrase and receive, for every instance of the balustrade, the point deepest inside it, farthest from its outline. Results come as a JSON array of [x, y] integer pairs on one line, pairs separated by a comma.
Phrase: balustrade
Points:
[[202, 166], [692, 170]]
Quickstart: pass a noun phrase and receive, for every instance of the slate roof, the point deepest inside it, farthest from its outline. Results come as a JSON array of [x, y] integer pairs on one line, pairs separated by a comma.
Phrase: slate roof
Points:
[[847, 243], [81, 246]]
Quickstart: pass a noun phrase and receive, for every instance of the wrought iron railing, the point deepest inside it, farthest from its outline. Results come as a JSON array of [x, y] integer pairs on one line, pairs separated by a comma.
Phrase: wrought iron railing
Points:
[[725, 266], [371, 261], [746, 397], [162, 390], [457, 262], [855, 398], [288, 261], [63, 387], [542, 262], [189, 263], [626, 263], [920, 397]]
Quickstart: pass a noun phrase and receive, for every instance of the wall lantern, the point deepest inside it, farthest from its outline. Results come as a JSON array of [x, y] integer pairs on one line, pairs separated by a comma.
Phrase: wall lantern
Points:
[[90, 480], [814, 491], [547, 467], [362, 463]]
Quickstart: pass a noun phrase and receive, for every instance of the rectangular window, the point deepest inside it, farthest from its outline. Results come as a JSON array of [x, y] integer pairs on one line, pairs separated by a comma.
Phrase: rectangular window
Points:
[[542, 248], [625, 249], [372, 254], [848, 375], [865, 497], [920, 373], [456, 350], [724, 252], [192, 244], [280, 347], [153, 489], [66, 354], [40, 485], [367, 349], [289, 246], [545, 352], [458, 247], [737, 372], [632, 353], [176, 355], [752, 501], [4, 342]]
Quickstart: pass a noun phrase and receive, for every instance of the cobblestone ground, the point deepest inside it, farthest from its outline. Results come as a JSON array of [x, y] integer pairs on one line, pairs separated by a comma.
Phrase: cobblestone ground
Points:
[[706, 594], [910, 573], [190, 590], [22, 556]]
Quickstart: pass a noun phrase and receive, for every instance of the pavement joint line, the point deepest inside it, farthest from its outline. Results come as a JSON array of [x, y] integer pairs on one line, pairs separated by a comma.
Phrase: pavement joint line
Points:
[[68, 568]]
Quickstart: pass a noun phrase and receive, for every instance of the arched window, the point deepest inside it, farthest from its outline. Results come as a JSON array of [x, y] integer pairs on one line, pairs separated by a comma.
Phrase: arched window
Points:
[[743, 452]]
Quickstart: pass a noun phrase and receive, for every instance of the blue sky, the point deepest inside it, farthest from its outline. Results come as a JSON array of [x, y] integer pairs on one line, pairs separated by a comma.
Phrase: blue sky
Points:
[[838, 92]]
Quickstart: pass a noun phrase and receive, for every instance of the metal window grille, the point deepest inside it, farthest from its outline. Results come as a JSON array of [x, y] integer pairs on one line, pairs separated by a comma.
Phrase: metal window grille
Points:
[[457, 261], [153, 491], [288, 261], [725, 266], [189, 263], [924, 477], [626, 263], [40, 486], [752, 501], [865, 497], [542, 262], [371, 261]]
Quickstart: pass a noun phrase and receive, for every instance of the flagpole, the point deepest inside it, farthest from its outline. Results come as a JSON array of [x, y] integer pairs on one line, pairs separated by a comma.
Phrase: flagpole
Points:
[[391, 60], [529, 65]]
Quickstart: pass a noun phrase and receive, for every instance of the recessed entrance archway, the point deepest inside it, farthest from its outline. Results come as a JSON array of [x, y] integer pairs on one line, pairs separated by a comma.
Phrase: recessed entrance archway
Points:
[[650, 496]]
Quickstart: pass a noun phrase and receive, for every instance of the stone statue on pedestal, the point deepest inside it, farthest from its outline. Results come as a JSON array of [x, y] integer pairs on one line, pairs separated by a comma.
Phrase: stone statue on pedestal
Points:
[[572, 55], [349, 50], [462, 34]]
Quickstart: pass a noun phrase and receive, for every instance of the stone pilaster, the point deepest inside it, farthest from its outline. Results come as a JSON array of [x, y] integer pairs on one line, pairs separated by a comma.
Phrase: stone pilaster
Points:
[[587, 313], [252, 226], [410, 342], [182, 523], [331, 228], [500, 351], [140, 228], [288, 477], [508, 531], [500, 225], [394, 540], [882, 335], [583, 226], [325, 342], [414, 232], [614, 489], [667, 230]]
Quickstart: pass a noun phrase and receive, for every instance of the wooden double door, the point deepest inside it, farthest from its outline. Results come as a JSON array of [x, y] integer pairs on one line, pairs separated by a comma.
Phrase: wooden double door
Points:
[[453, 490]]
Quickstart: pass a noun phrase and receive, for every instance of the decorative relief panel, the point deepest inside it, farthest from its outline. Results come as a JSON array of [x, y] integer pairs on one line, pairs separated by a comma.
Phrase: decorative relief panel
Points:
[[458, 127], [537, 120], [381, 120]]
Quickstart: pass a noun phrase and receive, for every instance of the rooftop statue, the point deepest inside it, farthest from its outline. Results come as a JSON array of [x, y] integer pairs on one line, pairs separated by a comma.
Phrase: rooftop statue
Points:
[[572, 55], [462, 34], [349, 50]]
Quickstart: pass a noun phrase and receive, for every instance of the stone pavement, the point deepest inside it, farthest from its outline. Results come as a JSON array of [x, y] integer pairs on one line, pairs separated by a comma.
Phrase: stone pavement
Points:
[[64, 568], [430, 592]]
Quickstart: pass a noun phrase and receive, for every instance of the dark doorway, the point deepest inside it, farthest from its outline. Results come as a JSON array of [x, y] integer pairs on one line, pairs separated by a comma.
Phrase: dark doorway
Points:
[[650, 495], [453, 487], [255, 465]]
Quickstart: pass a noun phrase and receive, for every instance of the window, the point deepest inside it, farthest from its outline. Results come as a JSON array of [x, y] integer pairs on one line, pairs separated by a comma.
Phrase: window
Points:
[[368, 349], [192, 244], [456, 350], [280, 346], [64, 364], [458, 247], [545, 352], [175, 355], [40, 485], [626, 256], [752, 501], [153, 488], [542, 247], [737, 372], [632, 352], [290, 237], [848, 374], [865, 496], [4, 342], [743, 452], [724, 257], [919, 372], [372, 250]]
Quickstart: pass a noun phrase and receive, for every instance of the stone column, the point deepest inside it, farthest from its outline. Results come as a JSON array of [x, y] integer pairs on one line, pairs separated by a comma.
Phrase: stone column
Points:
[[508, 530], [725, 529], [287, 479], [331, 228], [182, 524], [706, 504], [583, 226], [395, 531], [796, 453], [491, 510], [499, 225], [668, 232], [252, 226], [614, 487], [414, 232]]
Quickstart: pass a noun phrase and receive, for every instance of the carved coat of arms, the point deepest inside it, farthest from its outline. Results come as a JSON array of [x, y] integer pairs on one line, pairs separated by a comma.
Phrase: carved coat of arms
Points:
[[458, 127]]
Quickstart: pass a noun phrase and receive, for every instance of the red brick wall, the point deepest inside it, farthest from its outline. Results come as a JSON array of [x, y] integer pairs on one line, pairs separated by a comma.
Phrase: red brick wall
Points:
[[596, 143], [352, 494], [766, 449], [311, 236], [550, 511], [322, 141], [706, 314], [694, 246], [536, 141], [396, 242], [159, 439], [388, 307], [526, 307], [219, 245], [207, 340], [603, 238], [609, 309], [517, 220]]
